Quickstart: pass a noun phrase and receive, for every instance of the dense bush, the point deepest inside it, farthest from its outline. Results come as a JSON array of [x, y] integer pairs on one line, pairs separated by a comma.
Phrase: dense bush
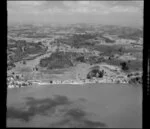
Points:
[[79, 40], [23, 49], [136, 80], [56, 60], [93, 59], [121, 50], [95, 73], [124, 66], [10, 65], [133, 35], [81, 59], [107, 40]]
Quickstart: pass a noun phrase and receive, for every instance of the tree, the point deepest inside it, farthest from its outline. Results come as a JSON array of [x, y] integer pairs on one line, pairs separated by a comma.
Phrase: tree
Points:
[[101, 73], [124, 66], [17, 76], [39, 43], [44, 62], [120, 49], [24, 62], [36, 69], [88, 76], [109, 58]]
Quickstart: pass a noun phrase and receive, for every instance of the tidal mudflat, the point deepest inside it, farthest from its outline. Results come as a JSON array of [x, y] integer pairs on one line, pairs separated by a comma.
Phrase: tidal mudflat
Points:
[[90, 105]]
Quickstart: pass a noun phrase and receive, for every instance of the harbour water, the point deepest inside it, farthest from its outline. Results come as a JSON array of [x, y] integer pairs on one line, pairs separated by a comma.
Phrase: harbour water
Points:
[[93, 105]]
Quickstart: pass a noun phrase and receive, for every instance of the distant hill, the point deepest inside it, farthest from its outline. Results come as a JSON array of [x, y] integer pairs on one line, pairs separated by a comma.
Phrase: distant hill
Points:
[[123, 32]]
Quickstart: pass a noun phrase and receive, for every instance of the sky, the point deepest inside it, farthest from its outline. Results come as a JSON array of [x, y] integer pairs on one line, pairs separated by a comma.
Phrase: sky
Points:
[[128, 13]]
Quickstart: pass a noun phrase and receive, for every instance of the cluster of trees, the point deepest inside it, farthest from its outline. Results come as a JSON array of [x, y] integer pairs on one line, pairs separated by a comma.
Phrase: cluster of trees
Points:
[[23, 49], [81, 59], [132, 36], [136, 80], [34, 48], [10, 65], [57, 60], [107, 40], [91, 60], [130, 33], [124, 32], [79, 40], [121, 50], [95, 73], [95, 59], [84, 36]]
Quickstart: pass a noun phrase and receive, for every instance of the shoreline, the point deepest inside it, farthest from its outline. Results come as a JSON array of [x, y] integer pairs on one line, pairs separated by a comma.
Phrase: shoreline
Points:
[[68, 82]]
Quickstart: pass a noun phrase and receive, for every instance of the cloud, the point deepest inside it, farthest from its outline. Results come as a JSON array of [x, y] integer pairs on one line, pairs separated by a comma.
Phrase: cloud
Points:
[[36, 106], [33, 8], [75, 11], [65, 113], [29, 3], [21, 4], [22, 7], [77, 118], [102, 7], [126, 9], [54, 10]]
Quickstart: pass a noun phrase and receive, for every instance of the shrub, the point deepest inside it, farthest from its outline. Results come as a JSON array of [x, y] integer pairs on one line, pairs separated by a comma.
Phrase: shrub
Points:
[[24, 62], [124, 66]]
